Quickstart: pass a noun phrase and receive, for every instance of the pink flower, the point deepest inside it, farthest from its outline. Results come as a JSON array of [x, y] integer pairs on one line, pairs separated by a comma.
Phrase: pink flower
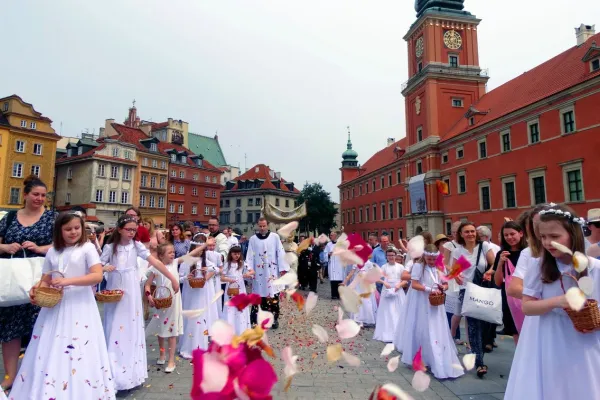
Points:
[[418, 364], [360, 247], [243, 300]]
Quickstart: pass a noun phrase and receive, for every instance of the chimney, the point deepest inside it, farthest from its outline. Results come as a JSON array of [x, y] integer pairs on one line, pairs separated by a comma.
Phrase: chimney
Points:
[[277, 175], [146, 127], [101, 132], [391, 141], [584, 32], [108, 129]]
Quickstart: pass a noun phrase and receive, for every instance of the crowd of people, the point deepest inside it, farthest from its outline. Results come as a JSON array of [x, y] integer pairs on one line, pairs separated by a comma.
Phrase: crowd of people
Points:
[[70, 352]]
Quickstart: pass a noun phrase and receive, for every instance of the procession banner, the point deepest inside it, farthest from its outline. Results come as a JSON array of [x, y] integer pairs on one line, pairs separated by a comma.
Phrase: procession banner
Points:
[[416, 188]]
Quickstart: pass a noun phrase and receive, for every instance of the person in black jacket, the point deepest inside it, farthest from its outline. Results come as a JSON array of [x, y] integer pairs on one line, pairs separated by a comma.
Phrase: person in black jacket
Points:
[[315, 265], [304, 262]]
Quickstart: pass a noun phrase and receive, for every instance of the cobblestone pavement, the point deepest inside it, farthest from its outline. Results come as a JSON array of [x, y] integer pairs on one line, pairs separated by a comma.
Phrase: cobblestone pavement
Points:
[[320, 380]]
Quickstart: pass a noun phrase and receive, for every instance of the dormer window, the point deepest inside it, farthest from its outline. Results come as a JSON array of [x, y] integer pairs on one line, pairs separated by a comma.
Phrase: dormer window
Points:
[[153, 147], [80, 150], [471, 121], [184, 159], [199, 162], [69, 152], [173, 157], [595, 65]]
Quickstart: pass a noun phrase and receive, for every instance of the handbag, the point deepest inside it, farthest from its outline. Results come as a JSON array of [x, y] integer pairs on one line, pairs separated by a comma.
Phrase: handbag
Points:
[[514, 304], [17, 276], [482, 303]]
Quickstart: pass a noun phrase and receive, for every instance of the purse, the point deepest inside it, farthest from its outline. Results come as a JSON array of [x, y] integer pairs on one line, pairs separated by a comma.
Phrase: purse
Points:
[[482, 303], [17, 276], [514, 304]]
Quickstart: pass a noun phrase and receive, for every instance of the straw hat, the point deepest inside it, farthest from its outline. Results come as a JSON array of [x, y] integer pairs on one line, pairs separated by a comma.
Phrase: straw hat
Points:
[[440, 237], [593, 215]]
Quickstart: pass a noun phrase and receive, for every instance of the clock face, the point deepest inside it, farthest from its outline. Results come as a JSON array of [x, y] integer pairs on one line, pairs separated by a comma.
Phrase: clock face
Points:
[[452, 40], [419, 46]]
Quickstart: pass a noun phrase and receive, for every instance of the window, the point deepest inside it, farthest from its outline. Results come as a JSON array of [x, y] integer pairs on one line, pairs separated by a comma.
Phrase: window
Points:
[[419, 134], [457, 102], [374, 212], [163, 165], [445, 158], [460, 152], [366, 187], [446, 180], [172, 189], [207, 179], [367, 216], [471, 121], [180, 208], [80, 150], [462, 182], [448, 227], [161, 201], [257, 201], [152, 203], [534, 132], [99, 195], [162, 182], [250, 202], [419, 165], [383, 212], [114, 172], [510, 197], [115, 152], [144, 181], [238, 202], [17, 170], [126, 173], [171, 208], [238, 218], [568, 120], [173, 173], [181, 189], [195, 177], [400, 234], [68, 198], [124, 197], [595, 65], [153, 147], [420, 66], [143, 200], [154, 164], [538, 186], [226, 202], [5, 106], [206, 194], [400, 209], [573, 181], [453, 61], [482, 148], [101, 170], [194, 191], [398, 177], [249, 217], [32, 125], [194, 210], [214, 179], [353, 215], [287, 203], [484, 196], [373, 185], [182, 174], [173, 157], [184, 159], [37, 149], [35, 170], [145, 162], [69, 173], [391, 209], [15, 194], [23, 123], [112, 196], [505, 139], [382, 182], [20, 146]]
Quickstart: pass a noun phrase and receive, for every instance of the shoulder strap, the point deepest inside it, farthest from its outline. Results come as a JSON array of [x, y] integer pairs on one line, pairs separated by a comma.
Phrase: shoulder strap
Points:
[[479, 254]]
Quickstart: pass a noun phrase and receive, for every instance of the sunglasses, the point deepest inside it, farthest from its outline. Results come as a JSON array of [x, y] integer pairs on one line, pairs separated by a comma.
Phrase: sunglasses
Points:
[[131, 230]]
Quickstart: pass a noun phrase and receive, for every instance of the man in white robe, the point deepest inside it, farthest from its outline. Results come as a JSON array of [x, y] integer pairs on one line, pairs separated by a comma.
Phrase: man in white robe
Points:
[[221, 240], [335, 267], [266, 257]]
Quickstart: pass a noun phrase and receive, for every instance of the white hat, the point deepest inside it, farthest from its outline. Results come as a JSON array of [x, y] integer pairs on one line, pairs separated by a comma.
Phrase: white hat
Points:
[[593, 215]]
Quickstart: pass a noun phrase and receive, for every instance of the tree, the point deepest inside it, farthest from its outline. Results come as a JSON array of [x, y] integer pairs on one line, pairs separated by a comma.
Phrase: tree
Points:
[[320, 209]]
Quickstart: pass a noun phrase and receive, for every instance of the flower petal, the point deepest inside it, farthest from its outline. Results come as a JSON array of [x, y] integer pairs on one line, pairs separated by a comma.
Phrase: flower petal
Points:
[[265, 318], [217, 296], [334, 352], [396, 391], [289, 360], [221, 332], [469, 361], [420, 381], [189, 260], [347, 329], [298, 299], [580, 262], [286, 230], [372, 275], [392, 364], [387, 350], [258, 378], [351, 300], [586, 284], [289, 279], [311, 302], [418, 364], [562, 248], [214, 374], [576, 298], [320, 333], [290, 258], [416, 246], [458, 367], [347, 257], [351, 359], [191, 314]]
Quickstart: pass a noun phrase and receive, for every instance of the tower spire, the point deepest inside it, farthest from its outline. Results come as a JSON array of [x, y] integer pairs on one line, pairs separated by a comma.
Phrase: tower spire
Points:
[[349, 156]]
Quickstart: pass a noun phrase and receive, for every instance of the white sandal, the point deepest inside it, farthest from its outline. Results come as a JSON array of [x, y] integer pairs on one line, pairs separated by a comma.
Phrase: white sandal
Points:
[[161, 362], [168, 370]]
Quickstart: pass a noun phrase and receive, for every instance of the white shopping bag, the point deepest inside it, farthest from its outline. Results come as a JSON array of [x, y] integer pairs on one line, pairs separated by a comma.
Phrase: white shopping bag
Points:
[[482, 303], [17, 275], [452, 303]]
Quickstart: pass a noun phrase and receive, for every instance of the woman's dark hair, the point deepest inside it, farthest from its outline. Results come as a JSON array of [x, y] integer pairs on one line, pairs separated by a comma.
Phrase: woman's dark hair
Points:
[[515, 226], [460, 240], [162, 248], [57, 238], [427, 236], [137, 212], [115, 237], [181, 237], [31, 182], [236, 250], [550, 271]]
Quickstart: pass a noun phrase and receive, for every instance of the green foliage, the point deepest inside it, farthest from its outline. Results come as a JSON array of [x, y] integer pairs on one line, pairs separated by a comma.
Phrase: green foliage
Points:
[[321, 209]]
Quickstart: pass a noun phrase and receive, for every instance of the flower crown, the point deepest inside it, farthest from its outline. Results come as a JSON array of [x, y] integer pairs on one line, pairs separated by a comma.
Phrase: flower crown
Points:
[[566, 214], [126, 220], [436, 254]]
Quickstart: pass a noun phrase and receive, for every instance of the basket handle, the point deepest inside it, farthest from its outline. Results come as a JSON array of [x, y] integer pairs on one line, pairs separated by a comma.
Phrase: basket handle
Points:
[[121, 279], [562, 286], [39, 285], [160, 287]]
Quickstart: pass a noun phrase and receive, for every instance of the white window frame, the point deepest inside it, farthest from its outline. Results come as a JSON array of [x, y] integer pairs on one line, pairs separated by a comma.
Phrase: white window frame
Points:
[[114, 172], [68, 198], [5, 106], [509, 179], [173, 173], [127, 155], [484, 141], [171, 208], [154, 164], [419, 165], [144, 162], [40, 148], [446, 222], [566, 168], [126, 173], [153, 147], [23, 123], [102, 170], [19, 170], [162, 182], [143, 180], [195, 177], [163, 165], [536, 174], [214, 211], [206, 210], [152, 202], [69, 173], [597, 59], [181, 189], [32, 125], [458, 175], [115, 152], [179, 208], [194, 210], [481, 185], [142, 200], [214, 179], [172, 189], [460, 148], [206, 193], [503, 133], [99, 195], [153, 182], [10, 195], [194, 191], [447, 158], [563, 111], [419, 133], [457, 60], [529, 124], [214, 194], [390, 210], [124, 197], [20, 149], [182, 174], [207, 179], [39, 170], [461, 100], [112, 196], [360, 215]]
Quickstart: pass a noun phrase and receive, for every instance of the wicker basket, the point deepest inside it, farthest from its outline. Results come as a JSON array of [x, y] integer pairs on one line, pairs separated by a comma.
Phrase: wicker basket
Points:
[[48, 296], [586, 319], [198, 281], [162, 302], [437, 299], [233, 289], [111, 296]]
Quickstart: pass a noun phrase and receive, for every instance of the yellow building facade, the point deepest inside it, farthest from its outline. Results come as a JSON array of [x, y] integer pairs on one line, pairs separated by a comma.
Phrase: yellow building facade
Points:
[[27, 146]]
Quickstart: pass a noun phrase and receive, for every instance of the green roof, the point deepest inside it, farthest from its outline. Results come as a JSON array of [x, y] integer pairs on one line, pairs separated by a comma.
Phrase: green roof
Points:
[[208, 147]]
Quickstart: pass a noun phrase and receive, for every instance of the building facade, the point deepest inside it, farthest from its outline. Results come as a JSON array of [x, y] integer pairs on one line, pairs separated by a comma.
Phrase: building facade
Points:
[[211, 149], [529, 141], [27, 147], [244, 197]]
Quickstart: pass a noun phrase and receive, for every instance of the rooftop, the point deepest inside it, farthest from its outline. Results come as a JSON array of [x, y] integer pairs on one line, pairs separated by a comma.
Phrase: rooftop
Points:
[[209, 147], [381, 159], [267, 178]]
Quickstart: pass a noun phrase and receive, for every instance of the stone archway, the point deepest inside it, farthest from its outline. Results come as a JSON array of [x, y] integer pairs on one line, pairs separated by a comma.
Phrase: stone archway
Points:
[[418, 230]]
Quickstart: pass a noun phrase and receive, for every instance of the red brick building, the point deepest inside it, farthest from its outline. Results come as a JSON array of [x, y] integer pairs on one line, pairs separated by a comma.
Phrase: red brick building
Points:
[[534, 139]]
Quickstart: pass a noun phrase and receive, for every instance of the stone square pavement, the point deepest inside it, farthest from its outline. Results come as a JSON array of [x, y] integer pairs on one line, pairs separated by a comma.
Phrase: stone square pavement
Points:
[[320, 380]]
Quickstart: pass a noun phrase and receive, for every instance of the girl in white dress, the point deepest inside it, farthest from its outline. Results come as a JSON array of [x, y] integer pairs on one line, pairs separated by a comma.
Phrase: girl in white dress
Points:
[[195, 330], [167, 322], [392, 299], [67, 347], [367, 313], [429, 324], [559, 347], [124, 320], [233, 273]]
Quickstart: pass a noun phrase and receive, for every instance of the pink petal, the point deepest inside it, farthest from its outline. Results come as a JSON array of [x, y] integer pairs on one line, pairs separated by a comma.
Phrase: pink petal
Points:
[[347, 329], [387, 350], [351, 359], [418, 364], [360, 247], [392, 364], [265, 318], [238, 392], [469, 361], [286, 230], [214, 374], [373, 275], [340, 314], [347, 257], [351, 300], [258, 378], [439, 263], [311, 302], [289, 361], [420, 381], [416, 246], [396, 391], [221, 332], [320, 333]]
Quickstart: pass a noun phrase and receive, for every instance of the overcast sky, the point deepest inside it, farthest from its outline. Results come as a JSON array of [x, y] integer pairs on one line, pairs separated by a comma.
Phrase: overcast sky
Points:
[[280, 80]]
